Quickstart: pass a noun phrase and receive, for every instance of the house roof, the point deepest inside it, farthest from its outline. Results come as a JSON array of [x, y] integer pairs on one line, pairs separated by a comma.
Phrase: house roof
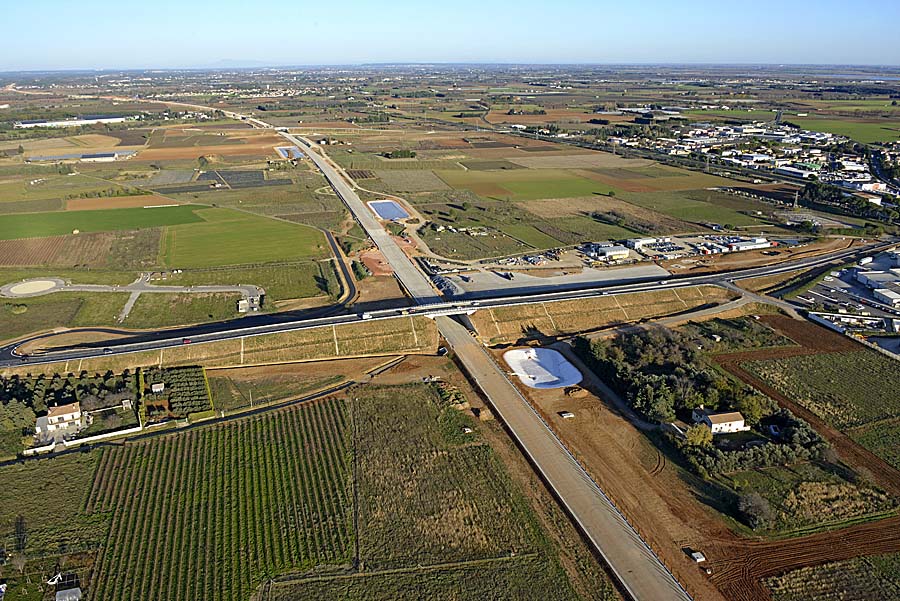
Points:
[[725, 418], [63, 409]]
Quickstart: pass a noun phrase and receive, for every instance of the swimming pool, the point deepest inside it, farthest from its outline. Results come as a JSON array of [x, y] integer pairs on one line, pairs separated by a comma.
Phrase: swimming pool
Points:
[[388, 210]]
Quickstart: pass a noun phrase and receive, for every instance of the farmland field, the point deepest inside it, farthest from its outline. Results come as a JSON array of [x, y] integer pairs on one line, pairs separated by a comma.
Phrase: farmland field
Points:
[[523, 184], [138, 248], [867, 131], [238, 503], [846, 389], [299, 493], [451, 502], [694, 206], [854, 391], [860, 579], [232, 238], [37, 225]]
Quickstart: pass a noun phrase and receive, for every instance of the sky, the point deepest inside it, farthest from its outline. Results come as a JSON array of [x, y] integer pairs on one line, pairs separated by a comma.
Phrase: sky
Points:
[[107, 34]]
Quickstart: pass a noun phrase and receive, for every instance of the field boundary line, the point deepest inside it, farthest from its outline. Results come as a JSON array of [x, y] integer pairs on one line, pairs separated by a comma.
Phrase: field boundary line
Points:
[[337, 350], [681, 300]]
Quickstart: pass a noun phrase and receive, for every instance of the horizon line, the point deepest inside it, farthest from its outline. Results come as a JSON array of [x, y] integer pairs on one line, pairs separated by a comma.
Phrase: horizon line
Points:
[[262, 65]]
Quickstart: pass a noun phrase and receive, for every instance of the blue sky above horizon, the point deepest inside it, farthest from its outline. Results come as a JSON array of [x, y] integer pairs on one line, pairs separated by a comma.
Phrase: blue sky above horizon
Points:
[[102, 34]]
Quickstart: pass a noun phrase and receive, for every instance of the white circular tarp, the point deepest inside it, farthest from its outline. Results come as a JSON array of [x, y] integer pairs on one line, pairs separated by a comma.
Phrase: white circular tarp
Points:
[[542, 368]]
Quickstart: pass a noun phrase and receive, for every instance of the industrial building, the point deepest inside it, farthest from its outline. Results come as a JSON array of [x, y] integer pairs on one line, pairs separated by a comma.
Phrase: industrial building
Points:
[[755, 244], [887, 296], [613, 252]]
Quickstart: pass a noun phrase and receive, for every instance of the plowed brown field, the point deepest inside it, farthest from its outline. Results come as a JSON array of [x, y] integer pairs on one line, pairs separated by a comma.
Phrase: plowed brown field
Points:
[[89, 250]]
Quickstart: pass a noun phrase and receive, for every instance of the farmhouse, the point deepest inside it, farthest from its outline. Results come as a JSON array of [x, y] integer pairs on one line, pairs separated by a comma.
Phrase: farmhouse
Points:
[[61, 417], [720, 423]]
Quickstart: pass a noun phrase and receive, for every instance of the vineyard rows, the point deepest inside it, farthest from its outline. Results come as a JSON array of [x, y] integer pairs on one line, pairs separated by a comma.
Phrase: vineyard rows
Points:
[[211, 513]]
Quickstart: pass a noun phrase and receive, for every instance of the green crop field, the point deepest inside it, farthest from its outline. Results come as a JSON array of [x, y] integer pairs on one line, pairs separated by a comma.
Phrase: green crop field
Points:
[[282, 282], [868, 131], [51, 186], [39, 225], [531, 236], [232, 238]]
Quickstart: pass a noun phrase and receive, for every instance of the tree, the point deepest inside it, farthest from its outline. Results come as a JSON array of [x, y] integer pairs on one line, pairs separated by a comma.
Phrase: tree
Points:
[[20, 149], [699, 435], [752, 407], [755, 510], [612, 194]]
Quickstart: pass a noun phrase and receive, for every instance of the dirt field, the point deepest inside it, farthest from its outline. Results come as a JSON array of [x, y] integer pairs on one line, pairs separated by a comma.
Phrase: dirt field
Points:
[[549, 209], [639, 480], [380, 291], [91, 250], [121, 202], [739, 566], [195, 152], [375, 262], [591, 160]]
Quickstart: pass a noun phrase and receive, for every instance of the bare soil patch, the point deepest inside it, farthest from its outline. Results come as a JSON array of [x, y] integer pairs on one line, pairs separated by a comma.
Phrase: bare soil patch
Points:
[[587, 160], [90, 250], [585, 205], [375, 262], [381, 291]]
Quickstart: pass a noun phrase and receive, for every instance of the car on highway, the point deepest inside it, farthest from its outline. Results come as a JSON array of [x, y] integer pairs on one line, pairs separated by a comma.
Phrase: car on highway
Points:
[[185, 341], [107, 351]]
